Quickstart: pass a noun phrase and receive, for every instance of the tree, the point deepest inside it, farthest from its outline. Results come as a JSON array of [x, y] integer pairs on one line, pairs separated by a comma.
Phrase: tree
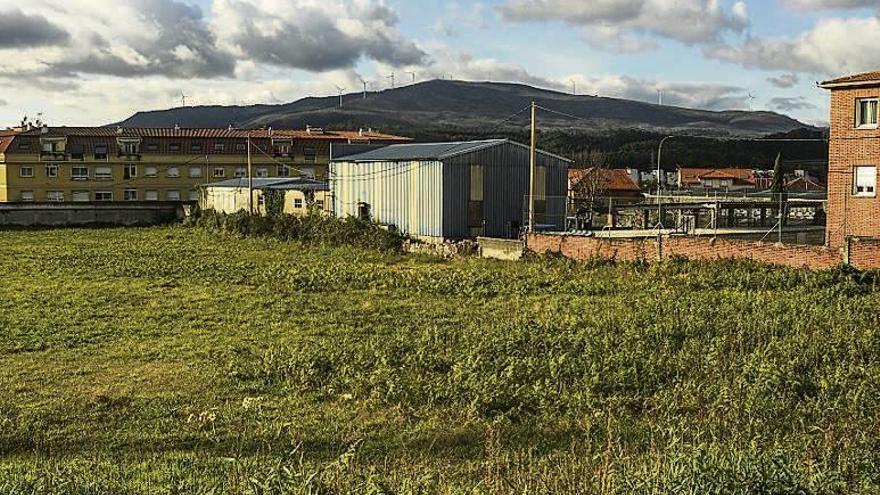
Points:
[[591, 186]]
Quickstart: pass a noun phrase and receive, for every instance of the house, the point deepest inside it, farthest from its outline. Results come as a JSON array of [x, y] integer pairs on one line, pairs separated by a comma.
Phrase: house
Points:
[[803, 183], [592, 184], [451, 190], [716, 179], [111, 164], [300, 195], [853, 206]]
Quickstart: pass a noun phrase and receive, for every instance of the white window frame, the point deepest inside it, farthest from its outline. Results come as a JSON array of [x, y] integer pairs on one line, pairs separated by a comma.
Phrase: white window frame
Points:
[[151, 172], [173, 172], [103, 173], [26, 175], [108, 199], [127, 195], [130, 171], [860, 118], [168, 195], [77, 196], [221, 174], [297, 203], [195, 172], [240, 172], [74, 176], [26, 196], [52, 170], [151, 195], [865, 181], [262, 173], [55, 196]]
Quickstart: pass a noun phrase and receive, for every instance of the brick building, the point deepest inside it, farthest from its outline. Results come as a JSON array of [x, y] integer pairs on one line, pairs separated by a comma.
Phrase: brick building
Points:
[[853, 206]]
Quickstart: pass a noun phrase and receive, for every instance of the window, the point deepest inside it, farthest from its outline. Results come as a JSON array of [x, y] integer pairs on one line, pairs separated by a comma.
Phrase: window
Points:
[[172, 195], [195, 147], [219, 172], [310, 153], [130, 195], [24, 145], [174, 147], [103, 195], [26, 196], [129, 171], [320, 204], [76, 152], [195, 171], [80, 196], [131, 148], [240, 147], [219, 147], [153, 147], [79, 173], [52, 170], [298, 203], [240, 172], [55, 196], [866, 113], [26, 172], [103, 173], [193, 195], [151, 171], [101, 152], [283, 171], [174, 172], [151, 195], [262, 173], [865, 181]]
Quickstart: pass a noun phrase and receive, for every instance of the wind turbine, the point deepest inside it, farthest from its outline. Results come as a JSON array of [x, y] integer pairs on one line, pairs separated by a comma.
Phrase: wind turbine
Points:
[[392, 79], [660, 97], [183, 98], [574, 87], [413, 74], [364, 82], [751, 99], [341, 91]]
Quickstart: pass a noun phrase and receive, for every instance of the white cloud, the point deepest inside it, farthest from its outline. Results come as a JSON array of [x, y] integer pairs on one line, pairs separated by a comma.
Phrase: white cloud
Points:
[[784, 81], [688, 21], [829, 4], [829, 48]]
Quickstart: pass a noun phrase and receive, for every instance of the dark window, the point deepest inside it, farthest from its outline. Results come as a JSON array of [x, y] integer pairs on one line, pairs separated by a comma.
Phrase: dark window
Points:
[[195, 147], [240, 147], [219, 147], [24, 146], [309, 153], [174, 147], [153, 147], [101, 152]]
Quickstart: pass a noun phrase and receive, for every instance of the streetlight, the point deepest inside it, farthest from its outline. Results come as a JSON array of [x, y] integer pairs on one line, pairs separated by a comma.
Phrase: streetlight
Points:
[[660, 183]]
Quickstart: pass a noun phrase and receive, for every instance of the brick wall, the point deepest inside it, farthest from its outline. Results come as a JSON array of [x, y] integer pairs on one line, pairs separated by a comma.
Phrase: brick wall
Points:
[[696, 248], [849, 215], [864, 254]]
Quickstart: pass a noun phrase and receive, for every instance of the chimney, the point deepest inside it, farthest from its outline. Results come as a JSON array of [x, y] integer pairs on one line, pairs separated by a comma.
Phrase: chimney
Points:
[[308, 129], [176, 127], [361, 132], [270, 131]]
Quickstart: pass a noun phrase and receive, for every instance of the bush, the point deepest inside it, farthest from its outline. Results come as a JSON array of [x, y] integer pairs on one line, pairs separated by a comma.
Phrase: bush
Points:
[[312, 228]]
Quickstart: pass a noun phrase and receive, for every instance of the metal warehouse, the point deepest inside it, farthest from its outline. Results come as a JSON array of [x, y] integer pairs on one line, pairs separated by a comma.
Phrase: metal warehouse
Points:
[[450, 190]]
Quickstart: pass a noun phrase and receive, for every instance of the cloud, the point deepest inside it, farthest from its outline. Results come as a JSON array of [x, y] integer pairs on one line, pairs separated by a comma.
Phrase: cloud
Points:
[[3, 102], [19, 30], [311, 35], [703, 95], [784, 81], [688, 21], [784, 104], [829, 48], [829, 4]]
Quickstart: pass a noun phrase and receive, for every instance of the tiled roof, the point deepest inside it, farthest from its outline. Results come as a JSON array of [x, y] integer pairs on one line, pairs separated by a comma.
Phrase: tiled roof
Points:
[[5, 141], [853, 79], [205, 133], [692, 176], [613, 179], [805, 184]]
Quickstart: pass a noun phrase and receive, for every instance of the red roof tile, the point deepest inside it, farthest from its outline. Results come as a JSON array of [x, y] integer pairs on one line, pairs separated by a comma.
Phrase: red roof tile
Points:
[[614, 179], [864, 78], [693, 176], [207, 133]]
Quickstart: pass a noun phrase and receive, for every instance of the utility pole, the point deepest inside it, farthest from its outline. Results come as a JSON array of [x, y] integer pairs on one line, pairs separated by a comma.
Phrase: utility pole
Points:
[[533, 157], [250, 176]]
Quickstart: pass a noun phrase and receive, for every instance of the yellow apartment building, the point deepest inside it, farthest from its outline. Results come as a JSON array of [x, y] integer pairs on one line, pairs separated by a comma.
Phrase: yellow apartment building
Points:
[[115, 164]]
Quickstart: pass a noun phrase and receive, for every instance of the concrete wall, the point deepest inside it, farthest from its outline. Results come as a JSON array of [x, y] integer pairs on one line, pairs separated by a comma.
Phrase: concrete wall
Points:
[[62, 215], [501, 249]]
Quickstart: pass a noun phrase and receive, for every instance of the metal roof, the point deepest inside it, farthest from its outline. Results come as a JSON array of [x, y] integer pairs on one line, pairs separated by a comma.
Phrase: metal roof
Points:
[[279, 183], [428, 151]]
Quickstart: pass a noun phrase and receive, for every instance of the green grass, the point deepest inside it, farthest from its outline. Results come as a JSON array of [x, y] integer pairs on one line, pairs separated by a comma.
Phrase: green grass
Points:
[[174, 360]]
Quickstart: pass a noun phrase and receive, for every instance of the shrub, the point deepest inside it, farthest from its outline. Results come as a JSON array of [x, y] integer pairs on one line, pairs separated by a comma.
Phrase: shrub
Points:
[[312, 228]]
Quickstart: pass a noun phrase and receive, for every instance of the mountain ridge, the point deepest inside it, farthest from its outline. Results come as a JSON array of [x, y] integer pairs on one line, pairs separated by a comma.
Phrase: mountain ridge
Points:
[[477, 105]]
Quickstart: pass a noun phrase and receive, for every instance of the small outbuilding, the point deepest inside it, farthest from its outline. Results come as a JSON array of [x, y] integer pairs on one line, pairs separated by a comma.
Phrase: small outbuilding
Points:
[[451, 190], [299, 195]]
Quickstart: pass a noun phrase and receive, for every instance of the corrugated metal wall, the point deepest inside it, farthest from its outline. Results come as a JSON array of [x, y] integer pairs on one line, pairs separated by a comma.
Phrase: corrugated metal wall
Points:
[[433, 199], [407, 195]]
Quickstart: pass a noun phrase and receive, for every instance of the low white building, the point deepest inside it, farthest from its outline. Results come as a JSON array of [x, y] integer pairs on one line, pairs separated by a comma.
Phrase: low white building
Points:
[[300, 195]]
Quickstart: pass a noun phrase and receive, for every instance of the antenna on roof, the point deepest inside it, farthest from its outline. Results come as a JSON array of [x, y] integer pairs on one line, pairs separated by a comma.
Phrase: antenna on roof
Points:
[[341, 91]]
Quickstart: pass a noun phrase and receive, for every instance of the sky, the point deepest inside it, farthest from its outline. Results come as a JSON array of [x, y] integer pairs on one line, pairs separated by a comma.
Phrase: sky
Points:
[[92, 62]]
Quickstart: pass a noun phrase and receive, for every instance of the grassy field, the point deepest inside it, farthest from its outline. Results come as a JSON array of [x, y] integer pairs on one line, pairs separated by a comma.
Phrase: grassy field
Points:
[[174, 360]]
